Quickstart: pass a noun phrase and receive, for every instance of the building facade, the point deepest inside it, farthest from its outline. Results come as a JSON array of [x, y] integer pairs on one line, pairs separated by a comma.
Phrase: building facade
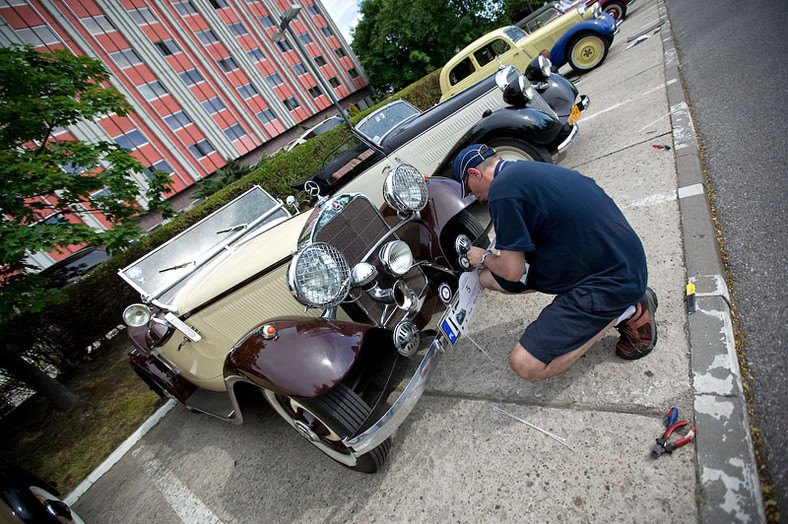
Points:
[[207, 79]]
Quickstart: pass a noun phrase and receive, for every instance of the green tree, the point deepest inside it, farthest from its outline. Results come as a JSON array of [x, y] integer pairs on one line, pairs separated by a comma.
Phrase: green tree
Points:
[[46, 184], [400, 41]]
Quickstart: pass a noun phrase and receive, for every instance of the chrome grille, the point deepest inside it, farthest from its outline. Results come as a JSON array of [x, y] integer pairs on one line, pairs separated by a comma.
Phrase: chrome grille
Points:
[[354, 232]]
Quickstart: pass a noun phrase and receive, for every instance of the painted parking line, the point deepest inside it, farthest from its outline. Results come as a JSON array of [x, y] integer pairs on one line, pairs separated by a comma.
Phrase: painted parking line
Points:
[[188, 506], [628, 100]]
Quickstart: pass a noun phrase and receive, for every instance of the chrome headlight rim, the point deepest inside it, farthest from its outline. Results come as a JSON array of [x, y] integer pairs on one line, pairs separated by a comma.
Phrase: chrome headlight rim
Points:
[[526, 88], [319, 276], [137, 315], [396, 257], [405, 189], [545, 66]]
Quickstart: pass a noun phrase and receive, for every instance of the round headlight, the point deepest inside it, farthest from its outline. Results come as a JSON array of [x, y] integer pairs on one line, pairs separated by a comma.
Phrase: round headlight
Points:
[[396, 257], [319, 276], [545, 65], [137, 315], [526, 88], [405, 189]]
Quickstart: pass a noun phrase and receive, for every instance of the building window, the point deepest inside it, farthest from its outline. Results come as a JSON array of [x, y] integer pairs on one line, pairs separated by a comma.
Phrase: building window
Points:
[[266, 116], [201, 149], [305, 38], [299, 69], [334, 81], [213, 105], [237, 29], [191, 77], [283, 46], [227, 64], [206, 36], [291, 103], [266, 21], [327, 31], [125, 58], [352, 72], [312, 10], [177, 120], [218, 4], [161, 165], [152, 90], [184, 8], [143, 16], [98, 24], [38, 36], [340, 52], [274, 80], [320, 61], [234, 132], [315, 91], [167, 47], [256, 55], [247, 91], [131, 139]]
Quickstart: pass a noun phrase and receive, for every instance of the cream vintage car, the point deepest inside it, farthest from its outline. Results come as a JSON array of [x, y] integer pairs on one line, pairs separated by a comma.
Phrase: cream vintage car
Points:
[[330, 310], [581, 37]]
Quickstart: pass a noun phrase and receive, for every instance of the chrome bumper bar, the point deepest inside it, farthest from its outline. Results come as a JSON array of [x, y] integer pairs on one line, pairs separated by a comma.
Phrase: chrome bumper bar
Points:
[[398, 412], [572, 134]]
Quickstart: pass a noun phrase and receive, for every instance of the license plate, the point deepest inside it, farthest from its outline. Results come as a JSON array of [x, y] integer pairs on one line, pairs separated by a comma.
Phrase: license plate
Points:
[[574, 116], [455, 321]]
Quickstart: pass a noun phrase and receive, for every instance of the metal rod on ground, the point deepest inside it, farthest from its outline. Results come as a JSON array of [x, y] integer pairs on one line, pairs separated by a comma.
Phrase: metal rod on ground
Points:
[[478, 346], [518, 419]]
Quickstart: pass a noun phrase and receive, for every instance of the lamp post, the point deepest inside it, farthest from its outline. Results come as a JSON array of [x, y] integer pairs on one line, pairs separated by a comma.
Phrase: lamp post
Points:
[[284, 25]]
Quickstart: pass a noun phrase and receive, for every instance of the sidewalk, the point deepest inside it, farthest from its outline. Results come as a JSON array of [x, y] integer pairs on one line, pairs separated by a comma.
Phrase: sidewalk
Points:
[[457, 459]]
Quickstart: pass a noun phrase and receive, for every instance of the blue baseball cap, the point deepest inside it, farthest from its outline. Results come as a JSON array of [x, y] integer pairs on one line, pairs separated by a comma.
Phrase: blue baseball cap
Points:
[[470, 156]]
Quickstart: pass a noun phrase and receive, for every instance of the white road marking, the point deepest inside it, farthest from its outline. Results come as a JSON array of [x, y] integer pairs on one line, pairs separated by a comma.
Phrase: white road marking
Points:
[[182, 500], [653, 200], [694, 189], [118, 453], [629, 100]]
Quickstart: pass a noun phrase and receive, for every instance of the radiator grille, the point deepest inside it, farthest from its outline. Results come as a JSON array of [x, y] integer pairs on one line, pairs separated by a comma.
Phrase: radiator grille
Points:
[[354, 231]]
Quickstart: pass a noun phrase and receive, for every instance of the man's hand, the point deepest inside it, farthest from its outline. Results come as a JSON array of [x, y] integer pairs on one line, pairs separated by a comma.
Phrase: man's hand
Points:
[[509, 265]]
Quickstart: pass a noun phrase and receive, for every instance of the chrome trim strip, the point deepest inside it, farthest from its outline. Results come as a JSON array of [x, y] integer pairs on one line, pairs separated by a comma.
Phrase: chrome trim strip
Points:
[[563, 145], [390, 421]]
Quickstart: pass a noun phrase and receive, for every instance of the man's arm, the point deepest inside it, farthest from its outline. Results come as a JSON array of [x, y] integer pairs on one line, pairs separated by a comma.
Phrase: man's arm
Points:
[[509, 264]]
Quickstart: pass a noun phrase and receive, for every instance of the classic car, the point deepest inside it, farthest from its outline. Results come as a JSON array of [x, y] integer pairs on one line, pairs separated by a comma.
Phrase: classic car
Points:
[[580, 37], [319, 129], [328, 311], [378, 124], [25, 498], [615, 8]]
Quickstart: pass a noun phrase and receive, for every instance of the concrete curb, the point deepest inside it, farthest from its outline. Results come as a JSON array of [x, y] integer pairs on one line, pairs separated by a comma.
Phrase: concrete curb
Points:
[[729, 489]]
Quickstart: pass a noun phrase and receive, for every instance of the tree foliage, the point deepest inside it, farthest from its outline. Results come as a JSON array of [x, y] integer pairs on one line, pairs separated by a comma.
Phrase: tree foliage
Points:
[[400, 41], [45, 183]]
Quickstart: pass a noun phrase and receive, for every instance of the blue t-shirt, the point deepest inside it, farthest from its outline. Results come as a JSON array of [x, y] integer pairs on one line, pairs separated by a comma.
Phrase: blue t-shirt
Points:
[[571, 232]]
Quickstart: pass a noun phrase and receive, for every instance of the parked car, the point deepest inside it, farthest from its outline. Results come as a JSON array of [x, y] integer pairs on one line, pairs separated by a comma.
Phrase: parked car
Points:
[[26, 498], [378, 124], [74, 266], [569, 38], [319, 129], [325, 310], [615, 8]]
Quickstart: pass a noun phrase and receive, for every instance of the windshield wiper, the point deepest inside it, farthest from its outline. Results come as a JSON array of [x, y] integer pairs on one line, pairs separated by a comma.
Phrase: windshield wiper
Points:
[[233, 228], [179, 266]]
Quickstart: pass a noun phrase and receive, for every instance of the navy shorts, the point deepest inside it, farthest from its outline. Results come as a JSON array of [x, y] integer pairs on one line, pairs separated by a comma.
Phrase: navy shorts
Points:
[[567, 323]]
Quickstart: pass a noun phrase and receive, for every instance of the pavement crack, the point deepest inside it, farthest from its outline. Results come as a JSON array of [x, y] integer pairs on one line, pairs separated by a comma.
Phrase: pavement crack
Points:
[[621, 150]]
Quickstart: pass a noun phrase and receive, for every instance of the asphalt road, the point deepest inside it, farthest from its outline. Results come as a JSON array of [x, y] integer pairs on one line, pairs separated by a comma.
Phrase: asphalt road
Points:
[[733, 59]]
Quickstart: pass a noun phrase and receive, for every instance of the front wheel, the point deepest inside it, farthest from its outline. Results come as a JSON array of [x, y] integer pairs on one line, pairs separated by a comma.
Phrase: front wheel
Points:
[[587, 52], [324, 421], [516, 149], [615, 9]]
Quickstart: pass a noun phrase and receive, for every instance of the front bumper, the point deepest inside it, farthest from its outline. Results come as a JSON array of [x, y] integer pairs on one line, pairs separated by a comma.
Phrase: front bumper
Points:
[[399, 411]]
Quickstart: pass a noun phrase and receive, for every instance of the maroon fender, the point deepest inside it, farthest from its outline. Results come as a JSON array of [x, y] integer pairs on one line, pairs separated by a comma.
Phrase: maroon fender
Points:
[[445, 201], [307, 357], [159, 377]]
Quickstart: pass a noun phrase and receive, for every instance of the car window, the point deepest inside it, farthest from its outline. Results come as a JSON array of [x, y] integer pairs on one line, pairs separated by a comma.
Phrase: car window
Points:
[[381, 122], [487, 54], [461, 71], [541, 20], [514, 33]]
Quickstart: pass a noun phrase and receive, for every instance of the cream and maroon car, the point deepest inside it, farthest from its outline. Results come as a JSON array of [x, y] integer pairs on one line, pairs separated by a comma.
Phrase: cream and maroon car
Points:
[[329, 311]]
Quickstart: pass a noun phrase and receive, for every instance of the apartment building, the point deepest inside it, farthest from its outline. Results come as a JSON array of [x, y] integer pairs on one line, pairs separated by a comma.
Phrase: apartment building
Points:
[[207, 79]]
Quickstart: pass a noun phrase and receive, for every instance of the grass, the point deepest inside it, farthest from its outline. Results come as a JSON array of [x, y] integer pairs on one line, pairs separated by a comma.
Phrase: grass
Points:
[[64, 447]]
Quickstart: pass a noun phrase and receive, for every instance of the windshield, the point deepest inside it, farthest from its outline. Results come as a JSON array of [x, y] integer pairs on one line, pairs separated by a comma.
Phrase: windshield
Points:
[[168, 264], [384, 120], [515, 33]]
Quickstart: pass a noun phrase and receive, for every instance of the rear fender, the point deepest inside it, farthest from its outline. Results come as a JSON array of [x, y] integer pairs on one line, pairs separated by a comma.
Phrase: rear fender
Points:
[[527, 124], [603, 26], [306, 357]]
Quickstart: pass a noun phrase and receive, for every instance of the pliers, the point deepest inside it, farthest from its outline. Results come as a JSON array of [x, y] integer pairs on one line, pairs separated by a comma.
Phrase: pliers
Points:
[[663, 446]]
